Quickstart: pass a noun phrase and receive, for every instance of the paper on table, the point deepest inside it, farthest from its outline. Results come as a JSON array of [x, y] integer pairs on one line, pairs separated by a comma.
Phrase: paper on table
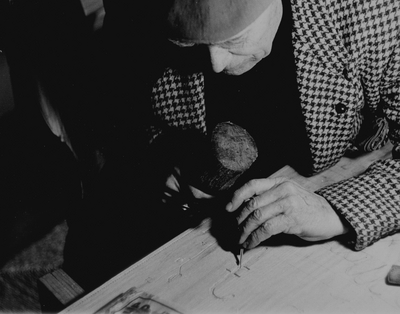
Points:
[[136, 301]]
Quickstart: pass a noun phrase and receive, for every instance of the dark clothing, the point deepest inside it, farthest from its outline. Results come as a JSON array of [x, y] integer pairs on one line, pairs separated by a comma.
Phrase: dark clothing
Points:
[[39, 182]]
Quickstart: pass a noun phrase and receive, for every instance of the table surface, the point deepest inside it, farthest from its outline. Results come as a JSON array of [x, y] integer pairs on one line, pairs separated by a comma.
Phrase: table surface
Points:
[[196, 274]]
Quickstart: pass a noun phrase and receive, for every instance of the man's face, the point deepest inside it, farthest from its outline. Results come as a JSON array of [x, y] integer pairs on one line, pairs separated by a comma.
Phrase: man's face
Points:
[[243, 51]]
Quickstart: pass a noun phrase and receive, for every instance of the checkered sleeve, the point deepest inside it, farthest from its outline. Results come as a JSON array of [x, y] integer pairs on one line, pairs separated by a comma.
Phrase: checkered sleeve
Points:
[[390, 97], [370, 202]]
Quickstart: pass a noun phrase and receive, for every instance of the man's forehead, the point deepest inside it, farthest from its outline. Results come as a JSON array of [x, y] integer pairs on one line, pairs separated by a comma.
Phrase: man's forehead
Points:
[[208, 21]]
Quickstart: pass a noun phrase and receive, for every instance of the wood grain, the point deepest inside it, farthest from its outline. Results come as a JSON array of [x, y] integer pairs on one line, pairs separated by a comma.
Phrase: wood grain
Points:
[[283, 276]]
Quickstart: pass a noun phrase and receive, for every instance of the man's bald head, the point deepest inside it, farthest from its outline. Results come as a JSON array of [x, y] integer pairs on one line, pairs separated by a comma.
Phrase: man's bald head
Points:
[[207, 21]]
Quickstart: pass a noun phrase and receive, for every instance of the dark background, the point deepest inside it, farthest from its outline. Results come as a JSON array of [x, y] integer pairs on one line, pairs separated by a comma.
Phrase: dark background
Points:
[[57, 45]]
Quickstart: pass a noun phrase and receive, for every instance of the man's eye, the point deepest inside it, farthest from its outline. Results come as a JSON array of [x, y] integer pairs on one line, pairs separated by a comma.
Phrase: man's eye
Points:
[[238, 52]]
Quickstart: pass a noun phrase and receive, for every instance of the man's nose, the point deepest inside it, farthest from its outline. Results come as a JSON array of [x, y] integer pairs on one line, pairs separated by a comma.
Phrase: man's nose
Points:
[[219, 57]]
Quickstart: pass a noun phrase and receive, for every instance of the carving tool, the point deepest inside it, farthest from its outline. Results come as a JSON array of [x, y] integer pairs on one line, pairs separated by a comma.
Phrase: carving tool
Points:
[[241, 257]]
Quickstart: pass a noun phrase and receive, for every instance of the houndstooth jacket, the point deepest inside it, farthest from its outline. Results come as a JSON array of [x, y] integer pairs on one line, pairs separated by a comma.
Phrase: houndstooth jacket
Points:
[[347, 55]]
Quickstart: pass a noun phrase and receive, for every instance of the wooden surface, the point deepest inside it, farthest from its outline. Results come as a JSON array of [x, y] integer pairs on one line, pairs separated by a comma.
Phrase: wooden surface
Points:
[[61, 286], [57, 290], [195, 273]]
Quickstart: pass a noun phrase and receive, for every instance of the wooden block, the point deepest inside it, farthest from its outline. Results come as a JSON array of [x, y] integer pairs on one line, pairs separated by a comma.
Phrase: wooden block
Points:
[[57, 290], [394, 275]]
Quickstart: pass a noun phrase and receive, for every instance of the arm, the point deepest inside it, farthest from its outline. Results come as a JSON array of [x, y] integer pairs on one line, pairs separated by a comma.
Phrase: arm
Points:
[[368, 205], [371, 201]]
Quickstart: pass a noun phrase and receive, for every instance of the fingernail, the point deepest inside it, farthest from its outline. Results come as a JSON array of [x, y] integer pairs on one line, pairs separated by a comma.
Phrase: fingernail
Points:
[[229, 207], [245, 245]]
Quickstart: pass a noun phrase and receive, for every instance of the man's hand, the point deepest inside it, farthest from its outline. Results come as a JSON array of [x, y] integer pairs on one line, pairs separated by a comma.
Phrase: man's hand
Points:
[[272, 206], [176, 187]]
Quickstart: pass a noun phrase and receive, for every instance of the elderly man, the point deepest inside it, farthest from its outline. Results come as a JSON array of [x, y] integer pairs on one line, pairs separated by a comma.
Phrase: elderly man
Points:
[[347, 68], [309, 80]]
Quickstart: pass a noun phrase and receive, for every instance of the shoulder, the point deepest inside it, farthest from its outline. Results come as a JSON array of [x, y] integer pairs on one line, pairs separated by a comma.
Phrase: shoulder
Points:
[[375, 15]]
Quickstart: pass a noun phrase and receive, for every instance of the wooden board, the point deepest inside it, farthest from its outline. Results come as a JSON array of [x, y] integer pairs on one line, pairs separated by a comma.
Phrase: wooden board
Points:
[[194, 272]]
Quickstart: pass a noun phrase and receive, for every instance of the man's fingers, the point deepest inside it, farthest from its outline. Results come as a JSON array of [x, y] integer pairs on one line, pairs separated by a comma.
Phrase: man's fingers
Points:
[[198, 194], [251, 188], [250, 206], [172, 181], [258, 218], [256, 202], [273, 226]]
